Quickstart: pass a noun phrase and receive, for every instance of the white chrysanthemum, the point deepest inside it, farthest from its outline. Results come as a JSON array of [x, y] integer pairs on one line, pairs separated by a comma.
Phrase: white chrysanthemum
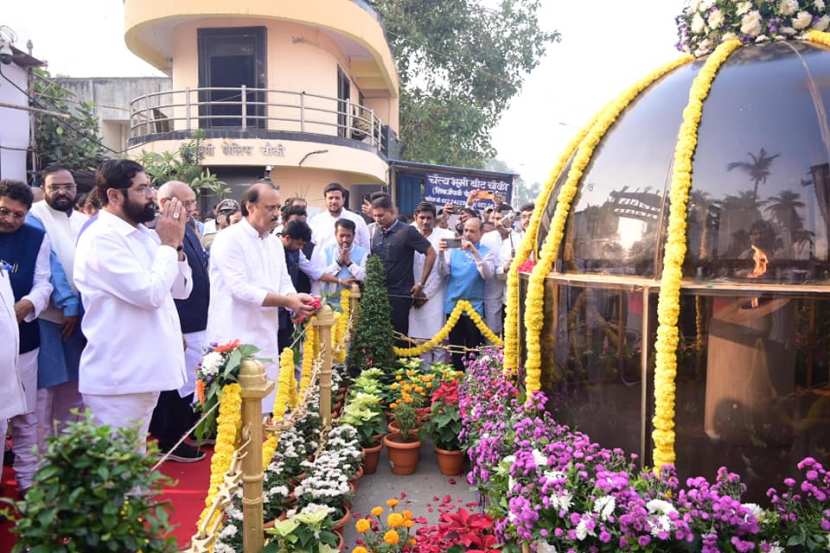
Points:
[[228, 531], [660, 506], [788, 7], [211, 363], [743, 8], [539, 458], [821, 23], [715, 19], [698, 24], [658, 525], [223, 548], [802, 20], [755, 509], [751, 23], [544, 547], [582, 530], [561, 501], [604, 506], [729, 36]]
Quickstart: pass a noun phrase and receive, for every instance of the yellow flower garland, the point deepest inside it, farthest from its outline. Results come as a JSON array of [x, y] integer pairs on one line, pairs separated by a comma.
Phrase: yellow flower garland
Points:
[[526, 247], [463, 306], [285, 384], [269, 447], [229, 424], [818, 37], [668, 303], [341, 327], [534, 314], [309, 353]]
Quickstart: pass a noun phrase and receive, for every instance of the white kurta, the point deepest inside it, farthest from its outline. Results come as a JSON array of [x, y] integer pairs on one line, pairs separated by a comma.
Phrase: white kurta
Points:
[[127, 281], [244, 268], [493, 287], [322, 228], [427, 320], [12, 399]]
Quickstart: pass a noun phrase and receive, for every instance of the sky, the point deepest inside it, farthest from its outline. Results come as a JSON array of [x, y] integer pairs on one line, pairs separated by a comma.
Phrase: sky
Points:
[[606, 46]]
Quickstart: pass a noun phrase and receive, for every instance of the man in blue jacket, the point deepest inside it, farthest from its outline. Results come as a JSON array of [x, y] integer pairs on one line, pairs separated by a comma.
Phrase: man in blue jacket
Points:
[[173, 415]]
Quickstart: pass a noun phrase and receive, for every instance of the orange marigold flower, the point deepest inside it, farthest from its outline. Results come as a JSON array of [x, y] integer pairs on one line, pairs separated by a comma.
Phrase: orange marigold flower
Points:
[[411, 541], [362, 525], [360, 549], [394, 520], [200, 391], [408, 523], [392, 502], [391, 538], [377, 511], [407, 514]]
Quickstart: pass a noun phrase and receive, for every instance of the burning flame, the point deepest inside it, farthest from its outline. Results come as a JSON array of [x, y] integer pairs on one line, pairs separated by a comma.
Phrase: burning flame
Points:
[[761, 260]]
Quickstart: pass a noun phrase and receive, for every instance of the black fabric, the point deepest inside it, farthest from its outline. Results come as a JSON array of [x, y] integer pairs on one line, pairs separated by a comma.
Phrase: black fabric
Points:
[[466, 334], [193, 311], [400, 314], [395, 247], [172, 417]]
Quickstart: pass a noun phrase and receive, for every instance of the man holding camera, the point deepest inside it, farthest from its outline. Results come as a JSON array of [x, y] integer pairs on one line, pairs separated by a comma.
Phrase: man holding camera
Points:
[[468, 263]]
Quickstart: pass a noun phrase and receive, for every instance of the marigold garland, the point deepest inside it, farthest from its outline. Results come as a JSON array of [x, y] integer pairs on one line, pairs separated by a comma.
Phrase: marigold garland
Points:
[[341, 327], [526, 247], [668, 302], [818, 37], [534, 314], [286, 384], [229, 424], [309, 353], [463, 306]]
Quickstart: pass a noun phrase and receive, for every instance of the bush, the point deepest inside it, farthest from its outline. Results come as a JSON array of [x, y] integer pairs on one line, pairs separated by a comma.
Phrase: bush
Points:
[[84, 496], [374, 338]]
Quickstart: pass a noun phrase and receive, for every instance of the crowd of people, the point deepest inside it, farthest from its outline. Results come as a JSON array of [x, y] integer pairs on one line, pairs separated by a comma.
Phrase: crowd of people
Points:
[[109, 300]]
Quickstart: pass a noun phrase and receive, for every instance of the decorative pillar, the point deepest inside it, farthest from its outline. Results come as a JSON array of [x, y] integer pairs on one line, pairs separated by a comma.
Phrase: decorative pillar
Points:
[[324, 321], [254, 387]]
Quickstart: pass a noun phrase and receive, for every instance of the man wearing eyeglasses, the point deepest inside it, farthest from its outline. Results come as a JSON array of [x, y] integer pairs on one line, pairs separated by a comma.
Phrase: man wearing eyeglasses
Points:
[[128, 276], [24, 250], [61, 340]]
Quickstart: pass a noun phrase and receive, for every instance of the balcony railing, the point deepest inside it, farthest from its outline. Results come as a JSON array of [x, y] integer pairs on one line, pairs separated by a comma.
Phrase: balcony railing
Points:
[[249, 109]]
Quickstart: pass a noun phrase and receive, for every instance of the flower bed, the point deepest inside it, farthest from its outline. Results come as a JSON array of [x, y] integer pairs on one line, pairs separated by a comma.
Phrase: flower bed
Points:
[[553, 489]]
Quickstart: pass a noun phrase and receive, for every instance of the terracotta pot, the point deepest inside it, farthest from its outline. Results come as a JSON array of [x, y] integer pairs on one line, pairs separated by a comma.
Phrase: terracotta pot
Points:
[[450, 463], [339, 525], [356, 478], [371, 456], [393, 429], [403, 456], [341, 545]]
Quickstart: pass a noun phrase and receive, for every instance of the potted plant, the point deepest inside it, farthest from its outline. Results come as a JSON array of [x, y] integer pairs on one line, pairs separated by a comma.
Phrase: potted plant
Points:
[[327, 484], [444, 427], [364, 413], [404, 445], [343, 441], [276, 490], [306, 531], [392, 534]]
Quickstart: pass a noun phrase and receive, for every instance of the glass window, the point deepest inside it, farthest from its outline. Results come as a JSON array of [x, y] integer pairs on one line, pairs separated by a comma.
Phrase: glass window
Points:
[[759, 207]]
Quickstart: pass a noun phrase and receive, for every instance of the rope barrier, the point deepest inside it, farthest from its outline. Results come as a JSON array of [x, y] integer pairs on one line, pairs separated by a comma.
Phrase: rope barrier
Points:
[[184, 437]]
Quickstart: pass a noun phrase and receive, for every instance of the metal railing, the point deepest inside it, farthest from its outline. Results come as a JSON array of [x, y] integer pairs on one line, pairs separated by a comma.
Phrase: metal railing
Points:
[[243, 108]]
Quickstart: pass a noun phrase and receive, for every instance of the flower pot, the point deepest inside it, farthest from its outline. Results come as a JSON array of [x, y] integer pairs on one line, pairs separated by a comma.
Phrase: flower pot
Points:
[[341, 545], [356, 479], [450, 463], [371, 456], [393, 429], [403, 456], [339, 525]]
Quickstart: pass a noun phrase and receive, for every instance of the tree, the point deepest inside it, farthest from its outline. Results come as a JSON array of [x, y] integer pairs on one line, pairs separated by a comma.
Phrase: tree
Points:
[[459, 64], [758, 170], [374, 337], [72, 142]]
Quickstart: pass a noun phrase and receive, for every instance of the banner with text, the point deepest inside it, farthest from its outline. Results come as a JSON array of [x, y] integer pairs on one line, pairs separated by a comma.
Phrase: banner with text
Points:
[[461, 190]]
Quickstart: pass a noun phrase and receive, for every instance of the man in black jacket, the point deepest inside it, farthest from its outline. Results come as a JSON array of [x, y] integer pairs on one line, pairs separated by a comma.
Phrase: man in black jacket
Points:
[[174, 415]]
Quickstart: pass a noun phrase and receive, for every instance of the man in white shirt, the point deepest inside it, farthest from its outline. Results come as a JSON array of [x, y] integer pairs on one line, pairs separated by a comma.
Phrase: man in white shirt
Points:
[[341, 263], [128, 276], [61, 340], [249, 280], [502, 218], [509, 246], [426, 316], [12, 398], [322, 224], [25, 249]]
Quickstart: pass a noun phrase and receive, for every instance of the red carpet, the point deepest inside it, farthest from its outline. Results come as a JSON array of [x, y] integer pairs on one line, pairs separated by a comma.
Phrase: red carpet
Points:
[[186, 497]]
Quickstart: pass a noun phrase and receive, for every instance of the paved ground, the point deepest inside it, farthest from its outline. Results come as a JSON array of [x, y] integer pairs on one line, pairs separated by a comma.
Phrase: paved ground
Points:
[[424, 490]]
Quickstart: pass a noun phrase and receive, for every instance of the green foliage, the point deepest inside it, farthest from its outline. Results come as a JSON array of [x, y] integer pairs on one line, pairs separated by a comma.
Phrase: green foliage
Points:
[[308, 531], [406, 419], [184, 165], [72, 142], [459, 65], [93, 492], [444, 426], [374, 337]]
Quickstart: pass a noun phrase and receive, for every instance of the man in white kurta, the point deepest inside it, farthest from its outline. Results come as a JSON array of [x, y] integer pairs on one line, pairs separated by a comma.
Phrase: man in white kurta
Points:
[[249, 281], [494, 286], [425, 321], [322, 224], [12, 398], [128, 276]]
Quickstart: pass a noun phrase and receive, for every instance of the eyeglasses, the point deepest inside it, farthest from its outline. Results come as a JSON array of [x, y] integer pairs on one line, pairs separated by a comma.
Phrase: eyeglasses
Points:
[[144, 189], [18, 215]]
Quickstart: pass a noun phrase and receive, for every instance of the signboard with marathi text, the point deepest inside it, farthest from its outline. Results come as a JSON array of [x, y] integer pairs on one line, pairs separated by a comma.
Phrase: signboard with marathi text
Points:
[[461, 190]]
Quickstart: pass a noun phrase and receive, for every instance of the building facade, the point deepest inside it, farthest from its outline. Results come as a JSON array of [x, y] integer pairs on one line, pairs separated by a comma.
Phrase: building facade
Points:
[[306, 90], [15, 114]]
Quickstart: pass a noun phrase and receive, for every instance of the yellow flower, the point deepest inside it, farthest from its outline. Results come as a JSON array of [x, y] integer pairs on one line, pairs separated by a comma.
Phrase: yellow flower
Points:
[[394, 520], [360, 549], [391, 538], [407, 514], [362, 525], [392, 502], [377, 511]]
